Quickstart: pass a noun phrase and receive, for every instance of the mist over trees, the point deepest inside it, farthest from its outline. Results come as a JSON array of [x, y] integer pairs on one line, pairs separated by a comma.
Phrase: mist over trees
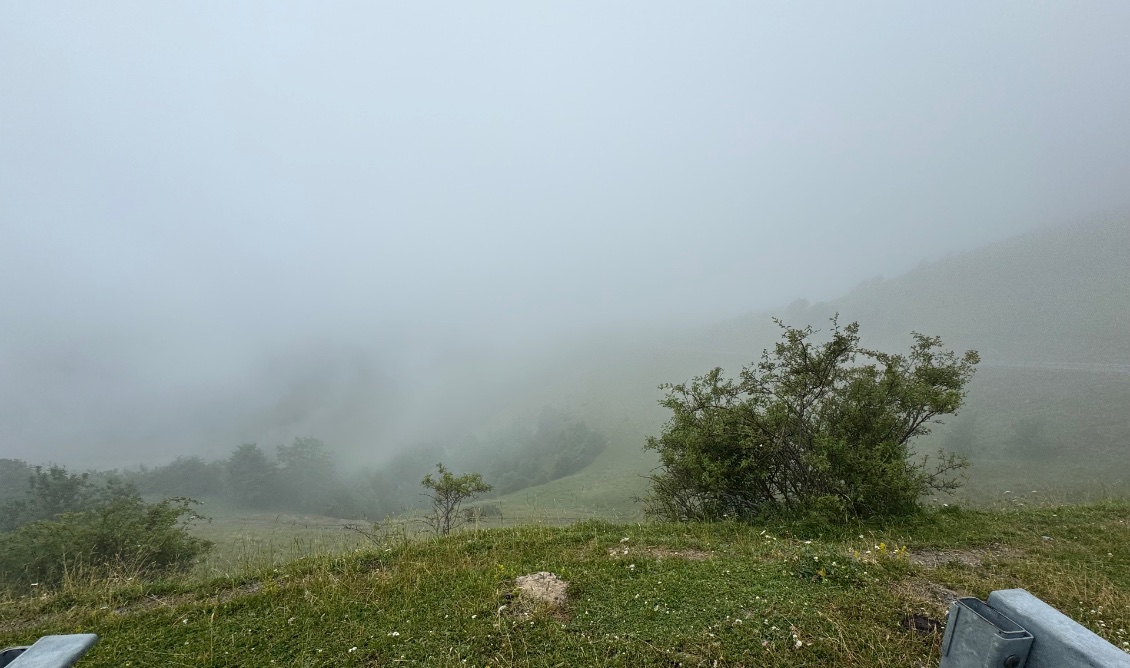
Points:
[[304, 476]]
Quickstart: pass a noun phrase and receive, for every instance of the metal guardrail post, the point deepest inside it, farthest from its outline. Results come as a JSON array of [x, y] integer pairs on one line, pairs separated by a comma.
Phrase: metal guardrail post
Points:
[[1017, 630], [978, 636], [49, 652]]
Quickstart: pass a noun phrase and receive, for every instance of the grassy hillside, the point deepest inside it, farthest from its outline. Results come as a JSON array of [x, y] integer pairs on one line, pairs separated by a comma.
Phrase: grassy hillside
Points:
[[663, 595], [1049, 311]]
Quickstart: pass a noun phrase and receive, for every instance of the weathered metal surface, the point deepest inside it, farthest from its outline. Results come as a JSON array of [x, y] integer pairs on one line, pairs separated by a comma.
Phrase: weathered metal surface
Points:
[[977, 636], [52, 651], [1017, 630], [1060, 642]]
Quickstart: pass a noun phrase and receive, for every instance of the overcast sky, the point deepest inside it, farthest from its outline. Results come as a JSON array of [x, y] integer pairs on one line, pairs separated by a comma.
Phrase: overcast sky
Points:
[[191, 192]]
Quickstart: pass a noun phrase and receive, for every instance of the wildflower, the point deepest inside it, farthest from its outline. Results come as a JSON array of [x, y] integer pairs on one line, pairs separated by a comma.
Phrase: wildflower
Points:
[[624, 539], [394, 634], [352, 650]]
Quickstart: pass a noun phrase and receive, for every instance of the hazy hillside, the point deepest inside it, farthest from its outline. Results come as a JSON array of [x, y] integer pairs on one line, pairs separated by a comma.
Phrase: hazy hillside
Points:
[[1049, 311], [1059, 295]]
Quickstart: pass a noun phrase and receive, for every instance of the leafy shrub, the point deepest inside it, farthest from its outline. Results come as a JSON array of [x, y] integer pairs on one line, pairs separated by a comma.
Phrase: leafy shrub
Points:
[[120, 535], [447, 493], [812, 429], [51, 491]]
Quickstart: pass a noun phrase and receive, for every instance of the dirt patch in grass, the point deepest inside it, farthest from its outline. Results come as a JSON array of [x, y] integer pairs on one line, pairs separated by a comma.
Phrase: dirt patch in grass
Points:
[[925, 596], [622, 551], [542, 589], [974, 557], [537, 595]]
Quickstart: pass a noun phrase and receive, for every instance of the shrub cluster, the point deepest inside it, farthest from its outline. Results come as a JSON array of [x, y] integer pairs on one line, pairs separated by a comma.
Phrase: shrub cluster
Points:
[[65, 525], [818, 429]]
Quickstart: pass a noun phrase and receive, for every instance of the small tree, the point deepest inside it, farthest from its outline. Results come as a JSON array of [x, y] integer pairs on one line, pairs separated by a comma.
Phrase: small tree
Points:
[[810, 428], [447, 493]]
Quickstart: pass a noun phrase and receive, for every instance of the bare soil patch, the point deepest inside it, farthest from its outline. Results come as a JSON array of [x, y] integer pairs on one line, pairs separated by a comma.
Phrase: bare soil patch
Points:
[[545, 589], [925, 596], [972, 558]]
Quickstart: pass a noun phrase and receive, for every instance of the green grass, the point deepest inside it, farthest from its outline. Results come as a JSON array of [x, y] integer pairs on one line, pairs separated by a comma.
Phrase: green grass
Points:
[[681, 594]]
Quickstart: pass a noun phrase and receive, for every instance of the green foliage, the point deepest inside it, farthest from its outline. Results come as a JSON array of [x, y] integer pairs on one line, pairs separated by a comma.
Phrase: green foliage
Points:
[[655, 594], [52, 491], [533, 452], [447, 493], [184, 476], [820, 429], [306, 479], [70, 525], [530, 451], [14, 474], [251, 476]]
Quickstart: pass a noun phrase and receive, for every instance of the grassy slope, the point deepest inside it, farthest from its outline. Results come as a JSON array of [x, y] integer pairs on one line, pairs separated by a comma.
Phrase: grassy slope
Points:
[[1056, 296], [748, 596]]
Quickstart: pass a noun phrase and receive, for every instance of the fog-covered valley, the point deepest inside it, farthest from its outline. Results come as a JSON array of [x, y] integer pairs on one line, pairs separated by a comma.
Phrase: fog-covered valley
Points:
[[393, 235]]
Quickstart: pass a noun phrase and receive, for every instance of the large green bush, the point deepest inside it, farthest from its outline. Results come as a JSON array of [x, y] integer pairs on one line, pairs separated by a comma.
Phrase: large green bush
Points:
[[125, 536], [66, 524], [812, 428]]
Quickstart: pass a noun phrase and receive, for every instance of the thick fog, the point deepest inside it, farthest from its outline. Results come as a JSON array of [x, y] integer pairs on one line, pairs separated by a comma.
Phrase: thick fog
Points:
[[247, 221]]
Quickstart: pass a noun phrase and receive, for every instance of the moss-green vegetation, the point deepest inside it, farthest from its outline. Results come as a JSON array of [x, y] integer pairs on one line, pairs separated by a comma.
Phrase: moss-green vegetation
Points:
[[652, 594]]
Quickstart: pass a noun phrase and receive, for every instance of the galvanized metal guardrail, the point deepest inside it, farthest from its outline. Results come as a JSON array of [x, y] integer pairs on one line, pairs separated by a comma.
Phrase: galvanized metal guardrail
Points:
[[49, 652], [1014, 629]]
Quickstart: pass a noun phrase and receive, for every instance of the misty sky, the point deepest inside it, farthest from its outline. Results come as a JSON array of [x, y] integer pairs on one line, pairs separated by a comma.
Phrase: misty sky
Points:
[[197, 199]]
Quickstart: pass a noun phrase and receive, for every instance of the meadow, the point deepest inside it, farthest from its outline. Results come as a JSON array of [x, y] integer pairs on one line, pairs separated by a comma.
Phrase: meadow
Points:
[[722, 594]]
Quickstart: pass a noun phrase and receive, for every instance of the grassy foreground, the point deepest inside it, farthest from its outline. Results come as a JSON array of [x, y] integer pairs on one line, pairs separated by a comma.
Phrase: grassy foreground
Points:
[[651, 594]]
